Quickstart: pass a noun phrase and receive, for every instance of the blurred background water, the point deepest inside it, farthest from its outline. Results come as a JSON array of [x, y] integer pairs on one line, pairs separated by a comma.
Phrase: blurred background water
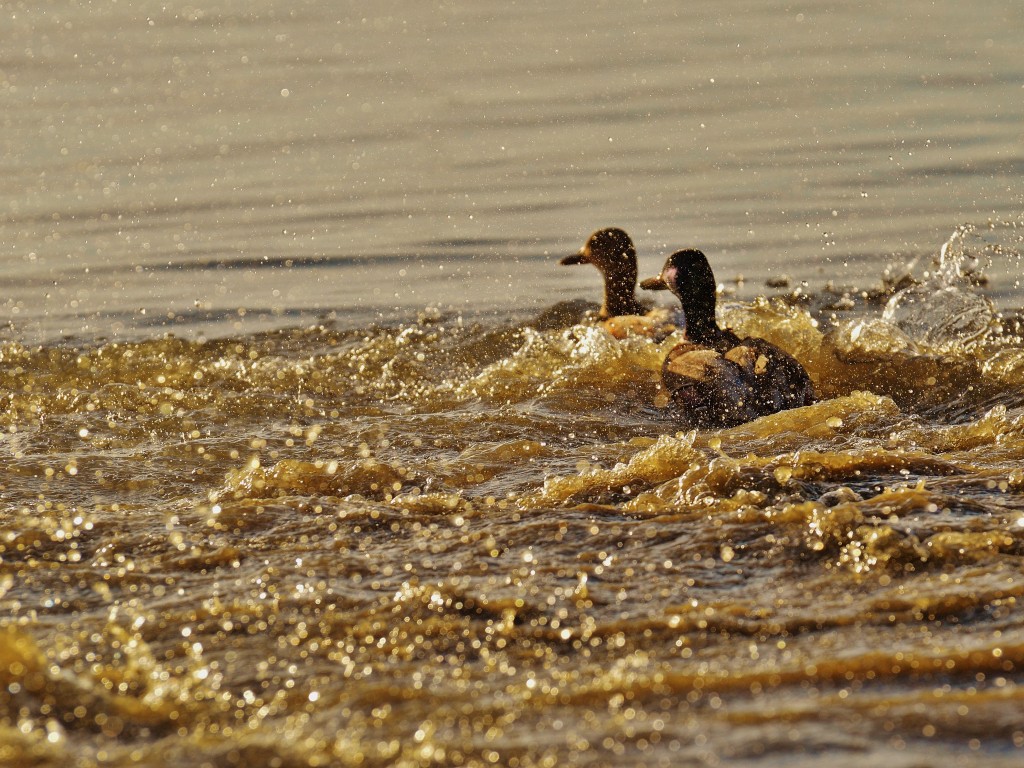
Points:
[[238, 165]]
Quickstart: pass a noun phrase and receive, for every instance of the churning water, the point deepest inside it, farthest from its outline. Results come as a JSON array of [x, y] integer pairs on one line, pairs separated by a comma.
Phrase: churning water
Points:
[[310, 459]]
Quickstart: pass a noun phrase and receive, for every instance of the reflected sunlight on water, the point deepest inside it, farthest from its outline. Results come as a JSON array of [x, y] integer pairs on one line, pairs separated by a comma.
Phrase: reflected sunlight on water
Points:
[[460, 543], [167, 165], [312, 455]]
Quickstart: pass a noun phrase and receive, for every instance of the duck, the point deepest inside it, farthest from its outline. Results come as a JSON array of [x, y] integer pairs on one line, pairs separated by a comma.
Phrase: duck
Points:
[[611, 250], [715, 378]]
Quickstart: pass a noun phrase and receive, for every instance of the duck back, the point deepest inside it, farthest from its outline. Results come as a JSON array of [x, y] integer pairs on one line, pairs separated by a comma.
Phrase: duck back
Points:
[[657, 324], [776, 378], [706, 388]]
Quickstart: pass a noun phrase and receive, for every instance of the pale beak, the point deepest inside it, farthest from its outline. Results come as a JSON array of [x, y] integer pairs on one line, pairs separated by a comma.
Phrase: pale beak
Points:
[[654, 284]]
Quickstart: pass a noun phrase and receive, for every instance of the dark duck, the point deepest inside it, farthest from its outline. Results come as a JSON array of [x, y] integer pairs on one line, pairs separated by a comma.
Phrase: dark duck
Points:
[[611, 250], [714, 377]]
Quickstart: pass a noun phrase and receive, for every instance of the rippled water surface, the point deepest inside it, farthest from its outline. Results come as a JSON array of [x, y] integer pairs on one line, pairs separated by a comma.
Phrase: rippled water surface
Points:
[[312, 456], [245, 165]]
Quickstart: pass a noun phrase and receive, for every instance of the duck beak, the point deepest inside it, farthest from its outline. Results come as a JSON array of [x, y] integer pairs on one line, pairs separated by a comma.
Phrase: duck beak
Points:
[[576, 258], [654, 284]]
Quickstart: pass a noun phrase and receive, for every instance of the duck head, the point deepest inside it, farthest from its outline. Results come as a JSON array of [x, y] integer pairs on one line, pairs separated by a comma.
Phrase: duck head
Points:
[[688, 275], [611, 251]]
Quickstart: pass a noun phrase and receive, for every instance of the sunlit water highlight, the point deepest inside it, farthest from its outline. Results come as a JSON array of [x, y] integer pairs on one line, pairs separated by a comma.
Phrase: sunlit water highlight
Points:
[[311, 456], [464, 543]]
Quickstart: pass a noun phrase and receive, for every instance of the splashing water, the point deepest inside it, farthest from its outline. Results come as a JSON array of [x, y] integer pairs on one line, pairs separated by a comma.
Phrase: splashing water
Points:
[[428, 544], [945, 311]]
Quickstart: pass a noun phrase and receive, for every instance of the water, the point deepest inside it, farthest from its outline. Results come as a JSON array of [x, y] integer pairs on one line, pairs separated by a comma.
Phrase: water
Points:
[[167, 165], [302, 467]]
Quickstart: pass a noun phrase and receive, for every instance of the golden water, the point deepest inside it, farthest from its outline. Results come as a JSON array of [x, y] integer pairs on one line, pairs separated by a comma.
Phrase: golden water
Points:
[[377, 503], [450, 542]]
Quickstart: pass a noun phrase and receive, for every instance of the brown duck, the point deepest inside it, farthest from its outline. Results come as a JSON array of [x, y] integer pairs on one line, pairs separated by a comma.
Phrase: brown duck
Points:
[[714, 377], [611, 250]]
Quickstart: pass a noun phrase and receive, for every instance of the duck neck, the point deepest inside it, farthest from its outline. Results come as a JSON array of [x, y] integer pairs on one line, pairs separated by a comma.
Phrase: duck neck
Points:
[[701, 327], [620, 296]]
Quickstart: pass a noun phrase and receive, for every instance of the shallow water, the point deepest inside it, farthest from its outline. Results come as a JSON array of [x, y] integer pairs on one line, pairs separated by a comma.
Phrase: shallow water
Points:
[[253, 512]]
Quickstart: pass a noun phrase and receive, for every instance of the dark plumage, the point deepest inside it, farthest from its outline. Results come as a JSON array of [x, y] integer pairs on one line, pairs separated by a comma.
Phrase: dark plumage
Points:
[[611, 250], [714, 377]]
